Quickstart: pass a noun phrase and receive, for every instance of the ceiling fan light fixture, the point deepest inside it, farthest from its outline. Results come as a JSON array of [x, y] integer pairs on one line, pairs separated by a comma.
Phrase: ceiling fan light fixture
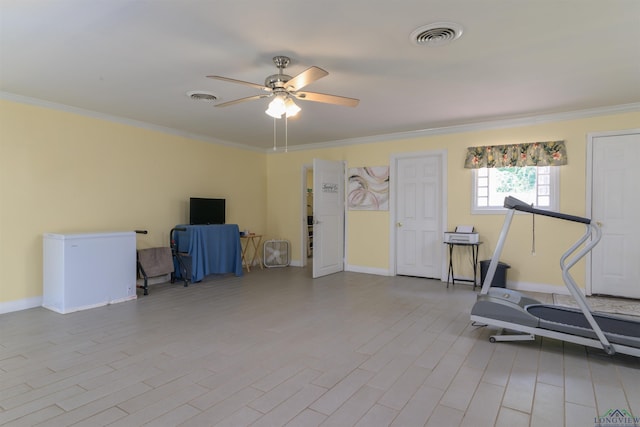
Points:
[[276, 108], [282, 106], [291, 107]]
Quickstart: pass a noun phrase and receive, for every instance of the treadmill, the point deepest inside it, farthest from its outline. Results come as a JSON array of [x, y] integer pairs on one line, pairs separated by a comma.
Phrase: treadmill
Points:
[[522, 318]]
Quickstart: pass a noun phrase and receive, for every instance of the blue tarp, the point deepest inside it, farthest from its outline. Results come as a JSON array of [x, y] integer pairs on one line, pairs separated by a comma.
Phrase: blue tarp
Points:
[[214, 249]]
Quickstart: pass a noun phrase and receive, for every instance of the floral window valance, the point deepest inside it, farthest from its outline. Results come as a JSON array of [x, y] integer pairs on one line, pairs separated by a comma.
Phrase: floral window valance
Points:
[[550, 153]]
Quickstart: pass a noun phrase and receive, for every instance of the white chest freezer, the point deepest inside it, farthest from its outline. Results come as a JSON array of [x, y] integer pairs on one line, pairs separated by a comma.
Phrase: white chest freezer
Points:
[[82, 271]]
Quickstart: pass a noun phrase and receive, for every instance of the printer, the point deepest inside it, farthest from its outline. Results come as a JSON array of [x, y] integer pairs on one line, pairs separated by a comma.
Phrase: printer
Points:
[[462, 234]]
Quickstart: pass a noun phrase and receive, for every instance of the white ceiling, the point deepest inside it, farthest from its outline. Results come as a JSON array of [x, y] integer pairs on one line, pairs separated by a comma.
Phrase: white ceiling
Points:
[[137, 59]]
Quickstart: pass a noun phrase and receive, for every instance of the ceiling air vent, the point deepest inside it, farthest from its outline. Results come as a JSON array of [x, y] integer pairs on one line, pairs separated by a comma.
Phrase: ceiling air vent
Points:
[[436, 34], [202, 96]]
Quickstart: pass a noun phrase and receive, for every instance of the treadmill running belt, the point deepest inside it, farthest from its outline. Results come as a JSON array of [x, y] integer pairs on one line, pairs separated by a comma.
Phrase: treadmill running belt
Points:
[[574, 317]]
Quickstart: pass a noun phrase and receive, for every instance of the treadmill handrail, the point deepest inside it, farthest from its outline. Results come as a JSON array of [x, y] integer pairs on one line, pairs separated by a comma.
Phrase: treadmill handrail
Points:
[[511, 202], [593, 234]]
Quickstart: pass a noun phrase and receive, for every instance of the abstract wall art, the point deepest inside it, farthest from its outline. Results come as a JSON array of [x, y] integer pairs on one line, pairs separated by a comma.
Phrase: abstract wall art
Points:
[[368, 188]]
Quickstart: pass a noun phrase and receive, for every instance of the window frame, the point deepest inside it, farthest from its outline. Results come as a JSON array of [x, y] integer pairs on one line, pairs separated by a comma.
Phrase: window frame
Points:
[[554, 194]]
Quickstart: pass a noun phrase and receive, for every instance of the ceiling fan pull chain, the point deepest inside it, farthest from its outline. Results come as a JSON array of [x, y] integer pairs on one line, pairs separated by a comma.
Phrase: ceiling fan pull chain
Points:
[[533, 234], [274, 134], [286, 133]]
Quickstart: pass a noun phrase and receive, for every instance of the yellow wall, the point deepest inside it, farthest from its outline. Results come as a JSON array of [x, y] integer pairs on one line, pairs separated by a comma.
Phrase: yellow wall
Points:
[[65, 173], [368, 232]]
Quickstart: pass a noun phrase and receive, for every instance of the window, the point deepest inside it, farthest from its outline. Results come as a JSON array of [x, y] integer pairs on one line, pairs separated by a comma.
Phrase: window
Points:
[[527, 171], [532, 184]]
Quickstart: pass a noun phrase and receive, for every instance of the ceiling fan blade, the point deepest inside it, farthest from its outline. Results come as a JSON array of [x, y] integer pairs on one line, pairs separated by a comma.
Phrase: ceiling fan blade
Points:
[[238, 101], [242, 82], [328, 99], [306, 77]]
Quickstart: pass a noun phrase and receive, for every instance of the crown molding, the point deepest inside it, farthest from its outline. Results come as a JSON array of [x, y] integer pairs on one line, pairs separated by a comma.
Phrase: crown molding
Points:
[[506, 122]]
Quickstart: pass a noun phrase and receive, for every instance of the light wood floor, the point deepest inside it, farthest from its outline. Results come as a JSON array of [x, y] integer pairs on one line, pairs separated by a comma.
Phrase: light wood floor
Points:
[[276, 348]]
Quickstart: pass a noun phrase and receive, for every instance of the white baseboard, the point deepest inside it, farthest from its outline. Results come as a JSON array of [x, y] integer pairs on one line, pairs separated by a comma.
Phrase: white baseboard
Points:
[[22, 304], [543, 288]]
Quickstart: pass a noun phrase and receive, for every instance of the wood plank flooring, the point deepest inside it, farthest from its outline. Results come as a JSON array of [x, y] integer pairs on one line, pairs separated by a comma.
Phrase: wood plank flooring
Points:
[[276, 348]]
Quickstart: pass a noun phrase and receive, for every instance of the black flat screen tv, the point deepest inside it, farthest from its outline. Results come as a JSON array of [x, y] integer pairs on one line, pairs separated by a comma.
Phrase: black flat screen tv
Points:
[[206, 211]]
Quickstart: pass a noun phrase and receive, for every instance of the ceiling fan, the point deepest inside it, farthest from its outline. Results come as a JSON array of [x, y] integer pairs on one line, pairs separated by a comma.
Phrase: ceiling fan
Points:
[[283, 88]]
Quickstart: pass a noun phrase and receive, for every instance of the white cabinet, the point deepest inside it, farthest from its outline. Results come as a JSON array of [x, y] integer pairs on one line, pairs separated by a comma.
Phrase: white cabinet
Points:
[[82, 271]]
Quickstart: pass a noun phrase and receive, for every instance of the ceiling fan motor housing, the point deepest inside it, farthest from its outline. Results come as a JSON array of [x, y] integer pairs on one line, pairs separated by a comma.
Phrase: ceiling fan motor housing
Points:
[[277, 80]]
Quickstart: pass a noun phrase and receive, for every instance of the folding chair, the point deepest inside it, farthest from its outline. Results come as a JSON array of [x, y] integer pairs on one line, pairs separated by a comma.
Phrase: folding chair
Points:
[[154, 262]]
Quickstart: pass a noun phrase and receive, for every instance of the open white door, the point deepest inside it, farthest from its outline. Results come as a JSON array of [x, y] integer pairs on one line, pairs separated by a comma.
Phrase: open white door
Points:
[[328, 217]]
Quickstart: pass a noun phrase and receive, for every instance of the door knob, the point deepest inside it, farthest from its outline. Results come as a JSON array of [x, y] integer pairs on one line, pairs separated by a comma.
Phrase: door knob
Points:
[[399, 224], [599, 224]]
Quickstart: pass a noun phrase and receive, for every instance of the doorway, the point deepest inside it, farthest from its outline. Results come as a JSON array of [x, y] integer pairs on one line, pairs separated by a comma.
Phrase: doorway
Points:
[[613, 176], [306, 244], [418, 212]]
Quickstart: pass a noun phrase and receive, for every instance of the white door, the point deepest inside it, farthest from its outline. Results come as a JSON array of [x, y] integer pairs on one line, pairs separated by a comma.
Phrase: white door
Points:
[[328, 217], [615, 261], [418, 215]]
